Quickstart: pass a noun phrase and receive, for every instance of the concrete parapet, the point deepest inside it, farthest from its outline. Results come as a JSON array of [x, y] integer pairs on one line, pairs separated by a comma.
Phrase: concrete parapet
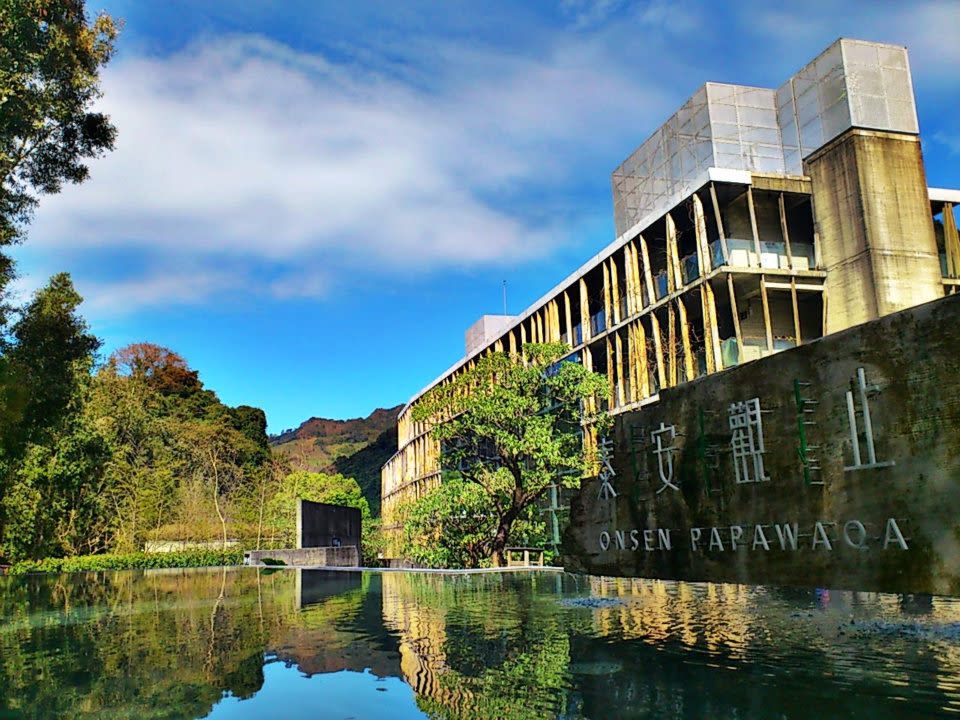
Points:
[[347, 556]]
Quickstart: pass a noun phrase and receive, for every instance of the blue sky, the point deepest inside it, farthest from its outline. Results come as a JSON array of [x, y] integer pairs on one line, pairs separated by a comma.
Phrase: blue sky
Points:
[[311, 201]]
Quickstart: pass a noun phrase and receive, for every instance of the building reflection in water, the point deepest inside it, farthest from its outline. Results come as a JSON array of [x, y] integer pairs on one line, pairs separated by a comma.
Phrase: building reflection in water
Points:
[[483, 646]]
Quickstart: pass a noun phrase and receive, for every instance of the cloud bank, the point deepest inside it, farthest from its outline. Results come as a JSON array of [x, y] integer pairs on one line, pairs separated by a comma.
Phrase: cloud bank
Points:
[[250, 166], [240, 150]]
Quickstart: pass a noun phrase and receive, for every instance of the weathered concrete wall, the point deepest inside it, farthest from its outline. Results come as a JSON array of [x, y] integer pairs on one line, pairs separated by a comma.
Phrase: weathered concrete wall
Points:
[[893, 527], [871, 211], [166, 546], [348, 556], [323, 525]]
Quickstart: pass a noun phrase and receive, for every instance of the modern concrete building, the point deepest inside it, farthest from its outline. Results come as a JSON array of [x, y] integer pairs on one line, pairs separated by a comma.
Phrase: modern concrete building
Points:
[[752, 221]]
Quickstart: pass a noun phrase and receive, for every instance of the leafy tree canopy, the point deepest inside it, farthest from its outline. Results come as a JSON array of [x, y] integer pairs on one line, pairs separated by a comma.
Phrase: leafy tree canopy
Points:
[[38, 369], [162, 369], [511, 426], [451, 526], [50, 60]]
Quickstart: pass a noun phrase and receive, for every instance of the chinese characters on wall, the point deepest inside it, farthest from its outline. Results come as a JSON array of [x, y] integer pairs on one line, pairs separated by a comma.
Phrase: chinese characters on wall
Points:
[[747, 447]]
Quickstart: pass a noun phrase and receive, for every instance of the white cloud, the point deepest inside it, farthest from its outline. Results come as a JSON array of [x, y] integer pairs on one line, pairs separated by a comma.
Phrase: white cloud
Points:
[[920, 26], [951, 143], [242, 149], [132, 294]]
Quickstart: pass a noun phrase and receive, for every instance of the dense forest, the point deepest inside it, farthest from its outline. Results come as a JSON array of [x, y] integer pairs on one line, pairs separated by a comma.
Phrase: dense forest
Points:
[[107, 453]]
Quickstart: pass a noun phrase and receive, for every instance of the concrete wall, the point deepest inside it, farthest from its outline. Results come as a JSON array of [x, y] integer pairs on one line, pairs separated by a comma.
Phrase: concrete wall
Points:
[[321, 525], [166, 546], [892, 527], [348, 556], [871, 211]]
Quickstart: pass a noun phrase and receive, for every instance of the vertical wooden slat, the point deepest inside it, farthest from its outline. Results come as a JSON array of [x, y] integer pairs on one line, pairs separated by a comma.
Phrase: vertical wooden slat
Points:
[[736, 317], [951, 240], [719, 218], [619, 353], [714, 339], [700, 228], [635, 271], [647, 274], [607, 315], [628, 281], [753, 225], [766, 313], [584, 311], [688, 366], [796, 311], [643, 374], [615, 291], [568, 318], [658, 350], [610, 381], [672, 373], [673, 257], [785, 232], [707, 332]]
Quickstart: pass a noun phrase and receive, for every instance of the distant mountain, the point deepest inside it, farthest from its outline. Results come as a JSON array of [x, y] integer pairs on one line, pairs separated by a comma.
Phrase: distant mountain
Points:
[[356, 448], [364, 465]]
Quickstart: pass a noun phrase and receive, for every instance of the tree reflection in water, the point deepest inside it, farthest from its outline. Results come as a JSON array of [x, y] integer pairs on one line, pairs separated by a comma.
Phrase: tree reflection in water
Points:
[[174, 644]]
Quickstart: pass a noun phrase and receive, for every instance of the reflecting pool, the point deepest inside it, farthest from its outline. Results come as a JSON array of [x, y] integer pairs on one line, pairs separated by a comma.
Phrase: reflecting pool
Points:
[[248, 643]]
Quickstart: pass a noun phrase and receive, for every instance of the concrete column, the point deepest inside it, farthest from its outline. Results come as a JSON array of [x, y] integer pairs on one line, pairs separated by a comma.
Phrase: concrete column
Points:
[[871, 211]]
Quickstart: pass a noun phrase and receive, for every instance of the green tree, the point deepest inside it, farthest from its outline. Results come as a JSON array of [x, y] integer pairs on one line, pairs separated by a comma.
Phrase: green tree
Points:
[[451, 526], [50, 60], [43, 367], [212, 453], [141, 475], [511, 425], [56, 503]]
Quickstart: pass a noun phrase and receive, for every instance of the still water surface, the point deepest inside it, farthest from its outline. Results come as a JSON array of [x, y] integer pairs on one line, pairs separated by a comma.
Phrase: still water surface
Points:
[[248, 643]]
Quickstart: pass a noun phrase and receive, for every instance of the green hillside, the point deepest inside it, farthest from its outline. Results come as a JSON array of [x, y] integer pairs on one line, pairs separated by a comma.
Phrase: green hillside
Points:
[[356, 448]]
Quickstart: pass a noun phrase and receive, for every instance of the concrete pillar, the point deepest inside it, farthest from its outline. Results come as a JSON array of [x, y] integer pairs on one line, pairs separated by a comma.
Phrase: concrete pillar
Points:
[[871, 211]]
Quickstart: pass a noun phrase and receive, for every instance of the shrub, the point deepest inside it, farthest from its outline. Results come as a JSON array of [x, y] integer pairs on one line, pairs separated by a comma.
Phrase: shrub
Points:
[[130, 561]]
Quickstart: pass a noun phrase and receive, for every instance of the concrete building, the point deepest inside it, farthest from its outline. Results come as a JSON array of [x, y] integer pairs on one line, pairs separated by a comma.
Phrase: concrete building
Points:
[[752, 221]]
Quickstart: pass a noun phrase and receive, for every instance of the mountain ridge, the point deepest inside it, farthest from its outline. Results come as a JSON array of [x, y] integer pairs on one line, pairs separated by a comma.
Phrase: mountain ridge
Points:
[[356, 447]]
